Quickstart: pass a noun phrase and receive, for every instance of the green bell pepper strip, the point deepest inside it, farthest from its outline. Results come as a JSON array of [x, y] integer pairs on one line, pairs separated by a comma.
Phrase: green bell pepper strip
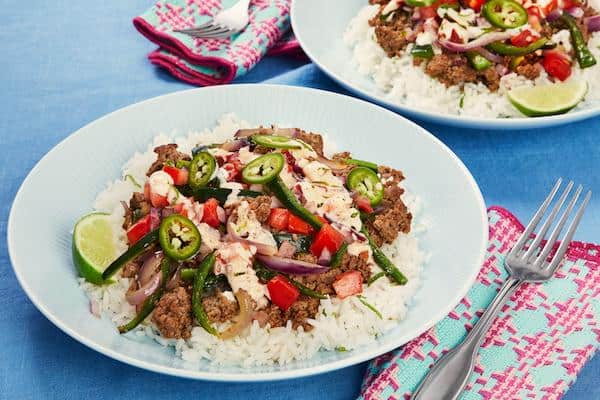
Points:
[[201, 169], [375, 277], [275, 142], [505, 14], [134, 251], [509, 50], [366, 182], [149, 304], [477, 61], [362, 163], [264, 168], [384, 263], [425, 51], [189, 274], [420, 3], [583, 54], [301, 242], [336, 260], [289, 201], [179, 237], [266, 275], [205, 267]]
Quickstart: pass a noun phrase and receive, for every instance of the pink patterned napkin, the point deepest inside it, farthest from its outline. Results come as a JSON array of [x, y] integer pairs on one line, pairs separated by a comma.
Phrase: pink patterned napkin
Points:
[[215, 61], [535, 348]]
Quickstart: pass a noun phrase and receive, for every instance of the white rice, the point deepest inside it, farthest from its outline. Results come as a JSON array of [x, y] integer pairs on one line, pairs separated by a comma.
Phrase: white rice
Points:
[[339, 325], [406, 84]]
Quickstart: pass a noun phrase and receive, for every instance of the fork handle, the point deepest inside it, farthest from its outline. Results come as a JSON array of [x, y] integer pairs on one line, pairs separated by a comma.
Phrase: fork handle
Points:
[[448, 377]]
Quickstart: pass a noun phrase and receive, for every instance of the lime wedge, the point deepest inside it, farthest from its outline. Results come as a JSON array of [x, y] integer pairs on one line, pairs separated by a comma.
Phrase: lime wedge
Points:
[[544, 100], [93, 246]]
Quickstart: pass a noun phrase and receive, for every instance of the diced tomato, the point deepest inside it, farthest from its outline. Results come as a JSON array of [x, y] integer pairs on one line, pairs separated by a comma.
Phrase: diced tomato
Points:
[[475, 4], [551, 6], [178, 208], [524, 39], [278, 219], [557, 64], [427, 12], [210, 216], [348, 284], [139, 229], [323, 220], [234, 167], [566, 4], [297, 225], [179, 175], [156, 200], [363, 204], [282, 293], [327, 238]]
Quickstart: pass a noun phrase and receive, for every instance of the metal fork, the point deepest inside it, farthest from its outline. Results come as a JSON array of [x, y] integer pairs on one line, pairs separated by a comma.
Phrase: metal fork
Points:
[[447, 378], [224, 24]]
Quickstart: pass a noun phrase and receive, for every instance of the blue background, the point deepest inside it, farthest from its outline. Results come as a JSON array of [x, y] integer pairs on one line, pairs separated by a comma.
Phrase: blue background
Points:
[[66, 63]]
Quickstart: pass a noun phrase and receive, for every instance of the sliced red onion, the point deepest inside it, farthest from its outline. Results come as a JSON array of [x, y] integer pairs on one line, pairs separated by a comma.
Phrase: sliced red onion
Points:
[[234, 145], [489, 55], [593, 23], [261, 248], [286, 250], [149, 267], [137, 297], [95, 308], [290, 266], [221, 214], [174, 281], [154, 218], [325, 257], [479, 42], [553, 15], [165, 212], [575, 12], [501, 69]]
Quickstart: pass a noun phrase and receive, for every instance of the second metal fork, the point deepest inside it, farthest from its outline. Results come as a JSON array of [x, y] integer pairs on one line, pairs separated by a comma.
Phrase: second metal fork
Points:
[[524, 263], [224, 24]]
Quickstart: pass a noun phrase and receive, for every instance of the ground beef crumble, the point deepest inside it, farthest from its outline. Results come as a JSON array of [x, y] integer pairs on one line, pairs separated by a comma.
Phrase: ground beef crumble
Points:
[[219, 308], [165, 153], [173, 314], [312, 139], [261, 206]]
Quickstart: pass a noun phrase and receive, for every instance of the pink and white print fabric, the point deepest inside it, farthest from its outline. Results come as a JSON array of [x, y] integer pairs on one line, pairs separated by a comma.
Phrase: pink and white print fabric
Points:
[[535, 348], [214, 61]]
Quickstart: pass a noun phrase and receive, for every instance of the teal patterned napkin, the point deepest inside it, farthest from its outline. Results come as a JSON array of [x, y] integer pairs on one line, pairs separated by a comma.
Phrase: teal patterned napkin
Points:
[[535, 348], [214, 61]]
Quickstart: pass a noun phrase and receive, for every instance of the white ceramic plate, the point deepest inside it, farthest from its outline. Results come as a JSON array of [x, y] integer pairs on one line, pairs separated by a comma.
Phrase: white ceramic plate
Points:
[[319, 27], [63, 185]]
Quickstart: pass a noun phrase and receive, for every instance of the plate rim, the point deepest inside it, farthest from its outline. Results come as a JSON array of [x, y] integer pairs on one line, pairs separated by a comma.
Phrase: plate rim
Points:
[[245, 377], [438, 118]]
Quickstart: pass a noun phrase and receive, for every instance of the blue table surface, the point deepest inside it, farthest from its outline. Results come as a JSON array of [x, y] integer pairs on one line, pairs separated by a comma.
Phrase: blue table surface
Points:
[[66, 63]]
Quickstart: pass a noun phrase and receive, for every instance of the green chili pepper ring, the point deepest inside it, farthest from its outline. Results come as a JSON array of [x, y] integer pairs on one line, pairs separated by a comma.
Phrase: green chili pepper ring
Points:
[[506, 14], [367, 183], [264, 168], [202, 169], [179, 237]]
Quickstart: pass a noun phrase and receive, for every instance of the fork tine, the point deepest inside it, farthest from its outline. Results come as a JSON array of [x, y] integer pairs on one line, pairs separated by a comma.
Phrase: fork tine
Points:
[[534, 248], [564, 245], [204, 25], [219, 35], [539, 261], [207, 29], [535, 220], [211, 34]]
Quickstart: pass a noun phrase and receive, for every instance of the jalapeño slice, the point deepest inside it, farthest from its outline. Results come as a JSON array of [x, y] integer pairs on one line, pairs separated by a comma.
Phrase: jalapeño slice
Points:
[[264, 168], [367, 183], [179, 237], [202, 169], [506, 14]]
